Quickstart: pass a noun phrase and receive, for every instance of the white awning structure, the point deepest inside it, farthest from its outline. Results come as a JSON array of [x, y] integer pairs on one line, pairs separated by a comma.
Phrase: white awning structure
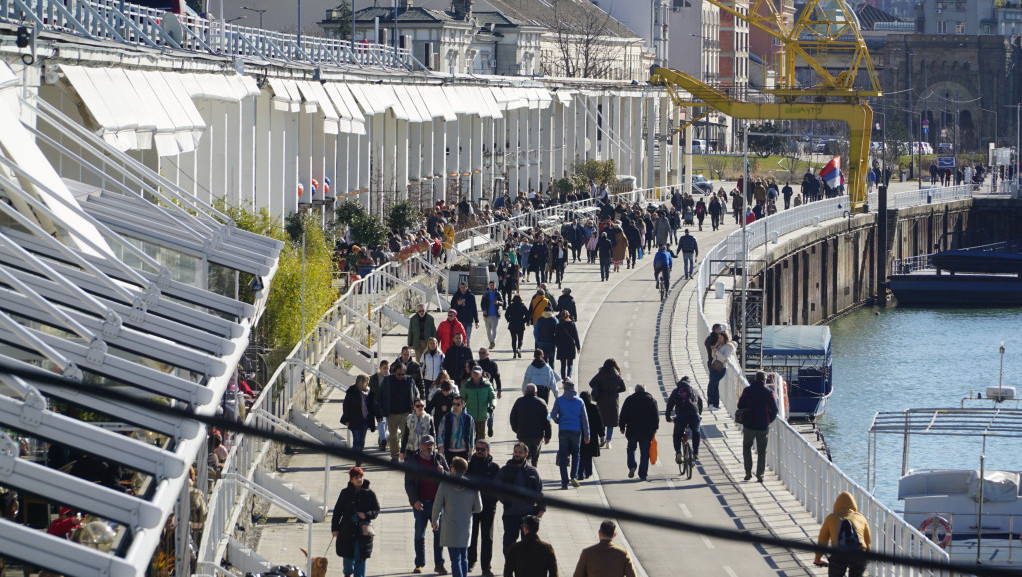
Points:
[[286, 97], [109, 287], [314, 92], [352, 119], [222, 87], [139, 109], [437, 103]]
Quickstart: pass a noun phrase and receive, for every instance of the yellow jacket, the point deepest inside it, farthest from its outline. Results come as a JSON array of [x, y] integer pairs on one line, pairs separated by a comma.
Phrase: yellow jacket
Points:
[[448, 237], [844, 508]]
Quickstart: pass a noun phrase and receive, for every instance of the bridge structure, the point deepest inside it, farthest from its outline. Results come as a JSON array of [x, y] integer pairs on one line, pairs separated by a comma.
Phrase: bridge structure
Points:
[[122, 129]]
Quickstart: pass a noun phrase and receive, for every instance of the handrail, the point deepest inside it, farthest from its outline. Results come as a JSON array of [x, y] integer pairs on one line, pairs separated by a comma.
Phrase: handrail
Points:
[[142, 26], [812, 478]]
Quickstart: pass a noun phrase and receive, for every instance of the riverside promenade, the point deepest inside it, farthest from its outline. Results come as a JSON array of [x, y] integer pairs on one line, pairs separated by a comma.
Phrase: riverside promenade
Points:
[[655, 344]]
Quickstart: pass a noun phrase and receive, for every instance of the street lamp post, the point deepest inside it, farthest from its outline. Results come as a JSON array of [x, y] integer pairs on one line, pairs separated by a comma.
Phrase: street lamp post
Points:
[[259, 11]]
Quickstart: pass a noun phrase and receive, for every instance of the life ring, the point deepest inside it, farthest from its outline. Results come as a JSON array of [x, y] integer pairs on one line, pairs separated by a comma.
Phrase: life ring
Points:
[[944, 524]]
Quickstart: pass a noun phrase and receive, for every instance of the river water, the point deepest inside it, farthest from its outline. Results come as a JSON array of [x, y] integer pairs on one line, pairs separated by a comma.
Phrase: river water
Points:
[[892, 359]]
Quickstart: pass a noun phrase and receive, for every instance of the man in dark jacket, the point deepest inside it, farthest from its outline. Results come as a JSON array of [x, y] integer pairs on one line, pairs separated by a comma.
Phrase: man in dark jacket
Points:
[[688, 405], [546, 335], [454, 361], [518, 473], [491, 372], [464, 302], [689, 251], [421, 493], [538, 256], [530, 421], [566, 302], [530, 557], [639, 422], [397, 393], [760, 409], [634, 242], [421, 328], [576, 237], [482, 468], [413, 369], [490, 303]]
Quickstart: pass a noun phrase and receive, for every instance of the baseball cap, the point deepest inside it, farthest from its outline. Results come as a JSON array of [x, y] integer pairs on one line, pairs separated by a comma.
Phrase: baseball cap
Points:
[[427, 440]]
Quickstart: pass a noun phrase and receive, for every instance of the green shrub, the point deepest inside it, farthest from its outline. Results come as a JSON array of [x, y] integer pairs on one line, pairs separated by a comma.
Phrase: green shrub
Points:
[[598, 171], [402, 216]]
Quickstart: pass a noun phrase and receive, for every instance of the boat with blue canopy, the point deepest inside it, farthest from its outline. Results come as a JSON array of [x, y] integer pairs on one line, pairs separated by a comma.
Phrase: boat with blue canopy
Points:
[[802, 356]]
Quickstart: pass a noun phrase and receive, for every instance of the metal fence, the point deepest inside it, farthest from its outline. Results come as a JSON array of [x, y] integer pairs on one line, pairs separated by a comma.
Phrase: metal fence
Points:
[[141, 26], [812, 478]]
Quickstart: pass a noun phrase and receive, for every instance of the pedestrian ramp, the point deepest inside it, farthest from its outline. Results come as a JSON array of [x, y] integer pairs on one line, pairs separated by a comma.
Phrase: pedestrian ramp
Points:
[[341, 378], [244, 559], [318, 431], [290, 493], [355, 357], [395, 315]]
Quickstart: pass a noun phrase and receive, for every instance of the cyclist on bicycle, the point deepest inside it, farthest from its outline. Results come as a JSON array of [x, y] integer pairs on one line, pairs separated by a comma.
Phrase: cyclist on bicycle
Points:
[[686, 405], [662, 264]]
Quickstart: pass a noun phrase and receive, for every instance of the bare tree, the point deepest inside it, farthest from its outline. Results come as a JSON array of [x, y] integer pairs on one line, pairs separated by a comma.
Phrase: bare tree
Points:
[[583, 41], [717, 165]]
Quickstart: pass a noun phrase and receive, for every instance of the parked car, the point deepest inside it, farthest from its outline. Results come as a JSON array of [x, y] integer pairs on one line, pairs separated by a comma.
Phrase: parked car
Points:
[[700, 183], [945, 147]]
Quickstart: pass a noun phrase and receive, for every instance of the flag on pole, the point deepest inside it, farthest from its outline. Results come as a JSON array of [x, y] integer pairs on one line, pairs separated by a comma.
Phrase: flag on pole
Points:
[[831, 174]]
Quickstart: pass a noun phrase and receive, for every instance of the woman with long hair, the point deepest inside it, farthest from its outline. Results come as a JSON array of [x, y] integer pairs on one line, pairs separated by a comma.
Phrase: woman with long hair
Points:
[[607, 386], [358, 412]]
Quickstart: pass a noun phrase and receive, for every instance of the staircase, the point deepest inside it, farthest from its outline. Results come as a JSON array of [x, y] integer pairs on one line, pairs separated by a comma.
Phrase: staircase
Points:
[[751, 330]]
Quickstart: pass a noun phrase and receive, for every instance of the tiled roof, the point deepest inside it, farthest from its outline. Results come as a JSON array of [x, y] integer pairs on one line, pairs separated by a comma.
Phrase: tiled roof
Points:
[[413, 14], [870, 15]]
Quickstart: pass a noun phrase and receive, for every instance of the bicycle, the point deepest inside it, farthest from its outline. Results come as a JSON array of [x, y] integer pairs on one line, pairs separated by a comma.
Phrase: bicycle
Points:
[[688, 462], [663, 283]]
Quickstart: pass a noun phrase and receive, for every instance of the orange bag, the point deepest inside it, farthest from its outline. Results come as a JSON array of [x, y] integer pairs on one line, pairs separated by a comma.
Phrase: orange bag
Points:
[[652, 451]]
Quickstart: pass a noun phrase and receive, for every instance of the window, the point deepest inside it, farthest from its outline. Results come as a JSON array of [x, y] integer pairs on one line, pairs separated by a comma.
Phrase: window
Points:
[[942, 27], [960, 28]]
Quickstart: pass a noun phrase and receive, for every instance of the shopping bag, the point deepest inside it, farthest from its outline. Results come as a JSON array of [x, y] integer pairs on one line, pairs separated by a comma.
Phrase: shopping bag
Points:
[[640, 254], [652, 451]]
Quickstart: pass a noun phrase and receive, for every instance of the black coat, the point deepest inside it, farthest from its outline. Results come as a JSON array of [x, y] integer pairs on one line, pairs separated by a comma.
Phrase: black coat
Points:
[[350, 502], [465, 304], [454, 362], [603, 247], [566, 340], [351, 411], [517, 316], [538, 256], [607, 387], [640, 417], [567, 303], [546, 330], [530, 418], [596, 431], [484, 471]]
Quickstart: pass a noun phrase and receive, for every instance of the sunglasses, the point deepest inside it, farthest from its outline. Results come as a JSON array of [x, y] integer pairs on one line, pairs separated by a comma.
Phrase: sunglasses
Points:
[[456, 404], [481, 449], [420, 406]]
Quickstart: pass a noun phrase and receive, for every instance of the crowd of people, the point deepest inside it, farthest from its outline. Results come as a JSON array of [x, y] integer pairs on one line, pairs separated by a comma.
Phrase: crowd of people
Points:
[[433, 408]]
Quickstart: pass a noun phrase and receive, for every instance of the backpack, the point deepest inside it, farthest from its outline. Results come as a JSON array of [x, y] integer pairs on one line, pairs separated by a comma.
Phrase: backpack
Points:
[[686, 400], [848, 539]]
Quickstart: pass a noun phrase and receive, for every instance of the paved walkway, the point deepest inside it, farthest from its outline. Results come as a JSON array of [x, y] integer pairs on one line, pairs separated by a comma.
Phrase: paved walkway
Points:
[[618, 319]]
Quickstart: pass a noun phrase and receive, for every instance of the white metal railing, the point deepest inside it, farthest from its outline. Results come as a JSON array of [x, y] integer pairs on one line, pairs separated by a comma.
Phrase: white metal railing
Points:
[[812, 478], [142, 26]]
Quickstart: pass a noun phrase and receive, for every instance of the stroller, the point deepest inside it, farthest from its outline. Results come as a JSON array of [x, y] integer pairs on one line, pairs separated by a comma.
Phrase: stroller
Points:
[[689, 216]]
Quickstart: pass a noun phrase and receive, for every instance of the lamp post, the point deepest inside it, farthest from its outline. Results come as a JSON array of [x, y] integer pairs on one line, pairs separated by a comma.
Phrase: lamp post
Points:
[[259, 11], [299, 36]]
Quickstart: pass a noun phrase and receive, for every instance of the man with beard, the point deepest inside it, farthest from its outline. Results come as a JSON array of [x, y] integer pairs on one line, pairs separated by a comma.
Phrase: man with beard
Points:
[[482, 468], [519, 474]]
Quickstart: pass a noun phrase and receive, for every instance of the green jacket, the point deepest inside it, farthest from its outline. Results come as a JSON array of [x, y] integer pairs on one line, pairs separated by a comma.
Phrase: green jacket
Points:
[[479, 399], [413, 329]]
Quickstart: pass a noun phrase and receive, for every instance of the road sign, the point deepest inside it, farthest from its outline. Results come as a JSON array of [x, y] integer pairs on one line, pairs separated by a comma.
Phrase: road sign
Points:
[[926, 127], [945, 162]]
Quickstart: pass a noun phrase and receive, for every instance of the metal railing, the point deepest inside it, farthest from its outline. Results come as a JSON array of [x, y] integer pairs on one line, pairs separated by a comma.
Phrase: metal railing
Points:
[[142, 26], [812, 478]]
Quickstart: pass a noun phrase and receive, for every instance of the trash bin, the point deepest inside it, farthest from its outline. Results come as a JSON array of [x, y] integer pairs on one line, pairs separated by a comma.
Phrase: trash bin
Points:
[[904, 175]]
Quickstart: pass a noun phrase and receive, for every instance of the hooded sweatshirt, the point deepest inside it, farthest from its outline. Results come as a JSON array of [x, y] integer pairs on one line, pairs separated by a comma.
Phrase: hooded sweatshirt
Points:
[[844, 508], [540, 374]]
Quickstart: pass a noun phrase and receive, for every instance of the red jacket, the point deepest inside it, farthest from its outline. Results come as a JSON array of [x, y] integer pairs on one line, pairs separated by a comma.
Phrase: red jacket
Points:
[[445, 331]]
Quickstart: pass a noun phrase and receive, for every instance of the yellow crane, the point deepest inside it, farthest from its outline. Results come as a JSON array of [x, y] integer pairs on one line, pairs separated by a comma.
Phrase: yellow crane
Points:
[[826, 37]]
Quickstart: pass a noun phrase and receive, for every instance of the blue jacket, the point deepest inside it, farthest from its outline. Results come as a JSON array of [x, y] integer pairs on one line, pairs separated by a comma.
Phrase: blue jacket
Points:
[[570, 413], [662, 258]]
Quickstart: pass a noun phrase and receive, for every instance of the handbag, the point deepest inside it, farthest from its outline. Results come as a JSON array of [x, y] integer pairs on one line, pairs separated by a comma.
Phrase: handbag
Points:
[[652, 451], [741, 415], [717, 365], [366, 529]]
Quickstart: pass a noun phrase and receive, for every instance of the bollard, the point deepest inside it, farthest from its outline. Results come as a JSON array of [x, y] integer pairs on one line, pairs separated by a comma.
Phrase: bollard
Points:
[[718, 290], [774, 236], [816, 222]]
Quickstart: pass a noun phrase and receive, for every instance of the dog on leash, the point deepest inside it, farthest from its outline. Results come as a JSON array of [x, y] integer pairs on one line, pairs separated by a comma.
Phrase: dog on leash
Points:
[[318, 564]]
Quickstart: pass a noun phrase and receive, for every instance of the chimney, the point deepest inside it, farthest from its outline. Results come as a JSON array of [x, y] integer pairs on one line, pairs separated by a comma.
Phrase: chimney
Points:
[[462, 9], [404, 5]]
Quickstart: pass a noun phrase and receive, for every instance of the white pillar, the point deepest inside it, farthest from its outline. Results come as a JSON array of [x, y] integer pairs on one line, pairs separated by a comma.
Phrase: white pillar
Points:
[[522, 157], [204, 151], [580, 126], [235, 152], [292, 141], [401, 172], [557, 141], [451, 192], [428, 150], [570, 130], [377, 162], [678, 147], [651, 119], [389, 160], [591, 128], [248, 120], [511, 152], [606, 128], [665, 153], [465, 156], [306, 128], [476, 145], [262, 139], [637, 103]]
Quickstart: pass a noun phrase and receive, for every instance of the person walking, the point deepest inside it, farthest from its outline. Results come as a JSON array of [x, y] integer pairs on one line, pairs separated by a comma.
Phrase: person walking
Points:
[[464, 302], [480, 400], [359, 412], [413, 369], [620, 242], [448, 242], [566, 343], [538, 305], [375, 382], [507, 277], [530, 557], [604, 247], [847, 529], [639, 422], [517, 316], [432, 362], [448, 329], [457, 504], [607, 386], [491, 303], [530, 422], [456, 431], [760, 409], [542, 375], [569, 413], [421, 328], [491, 373], [591, 246], [566, 302], [722, 351], [455, 358], [441, 399], [518, 473], [356, 507], [397, 395], [684, 407], [558, 261], [701, 212], [481, 468], [544, 331], [605, 559], [421, 494], [417, 425], [591, 448], [538, 257], [689, 252]]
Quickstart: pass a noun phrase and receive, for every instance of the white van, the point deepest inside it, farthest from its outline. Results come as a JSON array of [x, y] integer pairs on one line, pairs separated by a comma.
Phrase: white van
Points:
[[699, 146]]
